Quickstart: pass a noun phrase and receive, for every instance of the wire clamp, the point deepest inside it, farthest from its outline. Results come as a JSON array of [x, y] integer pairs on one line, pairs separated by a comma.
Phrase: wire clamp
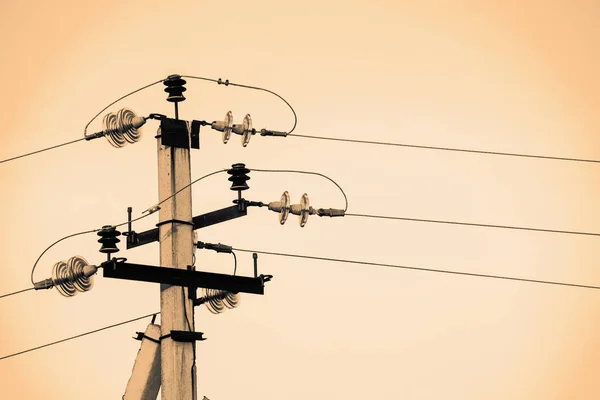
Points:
[[173, 221], [141, 335], [184, 336]]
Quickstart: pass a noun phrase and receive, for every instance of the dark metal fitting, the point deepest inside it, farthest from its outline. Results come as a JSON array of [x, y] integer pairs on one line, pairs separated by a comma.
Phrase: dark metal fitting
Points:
[[175, 221], [330, 212], [249, 203], [45, 284], [140, 336], [156, 116], [184, 336], [221, 82], [268, 132], [219, 248]]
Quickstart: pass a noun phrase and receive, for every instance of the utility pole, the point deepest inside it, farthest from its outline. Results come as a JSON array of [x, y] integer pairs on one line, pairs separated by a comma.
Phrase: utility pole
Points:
[[176, 250]]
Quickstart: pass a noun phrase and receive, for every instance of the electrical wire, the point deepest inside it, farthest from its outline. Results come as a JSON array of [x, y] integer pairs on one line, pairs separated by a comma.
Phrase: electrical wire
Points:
[[84, 130], [39, 151], [52, 245], [227, 83], [17, 292], [307, 173], [442, 271], [522, 228], [193, 343], [121, 224], [234, 262], [78, 336], [117, 100], [414, 146], [187, 186]]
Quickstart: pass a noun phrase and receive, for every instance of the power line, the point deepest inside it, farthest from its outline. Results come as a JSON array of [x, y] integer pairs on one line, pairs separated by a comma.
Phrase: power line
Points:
[[414, 146], [116, 101], [42, 150], [150, 211], [442, 271], [473, 224], [78, 336], [58, 241], [227, 83], [306, 173], [84, 130], [17, 292]]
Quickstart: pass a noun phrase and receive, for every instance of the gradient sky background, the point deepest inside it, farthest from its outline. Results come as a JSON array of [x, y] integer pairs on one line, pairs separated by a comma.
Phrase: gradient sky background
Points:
[[496, 75]]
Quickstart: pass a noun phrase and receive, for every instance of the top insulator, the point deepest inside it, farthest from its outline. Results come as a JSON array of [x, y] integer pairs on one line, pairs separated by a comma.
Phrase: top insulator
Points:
[[174, 87], [108, 238], [239, 177]]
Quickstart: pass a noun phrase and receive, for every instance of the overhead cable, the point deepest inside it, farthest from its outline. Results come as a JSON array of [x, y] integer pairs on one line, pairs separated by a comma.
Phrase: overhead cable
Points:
[[442, 271], [17, 292], [39, 151], [78, 336], [414, 146], [434, 221]]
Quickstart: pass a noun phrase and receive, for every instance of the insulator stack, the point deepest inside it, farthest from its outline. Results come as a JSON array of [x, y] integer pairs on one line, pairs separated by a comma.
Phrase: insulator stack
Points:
[[231, 300], [282, 207], [70, 277], [224, 126], [62, 279], [122, 127], [303, 210], [108, 239], [239, 177], [245, 129], [174, 87], [81, 273], [217, 300], [247, 125]]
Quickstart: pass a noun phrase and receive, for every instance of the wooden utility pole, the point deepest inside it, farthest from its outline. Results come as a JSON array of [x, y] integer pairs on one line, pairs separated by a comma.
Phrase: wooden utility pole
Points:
[[176, 241]]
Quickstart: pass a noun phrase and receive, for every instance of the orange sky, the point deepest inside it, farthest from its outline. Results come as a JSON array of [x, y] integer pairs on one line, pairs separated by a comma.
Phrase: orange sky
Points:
[[498, 76]]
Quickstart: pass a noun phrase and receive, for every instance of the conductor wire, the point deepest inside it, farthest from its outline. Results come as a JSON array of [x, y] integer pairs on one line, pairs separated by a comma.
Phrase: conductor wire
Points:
[[307, 173], [227, 83]]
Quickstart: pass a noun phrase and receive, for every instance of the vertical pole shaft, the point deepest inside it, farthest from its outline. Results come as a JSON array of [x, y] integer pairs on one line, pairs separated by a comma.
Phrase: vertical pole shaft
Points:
[[177, 312]]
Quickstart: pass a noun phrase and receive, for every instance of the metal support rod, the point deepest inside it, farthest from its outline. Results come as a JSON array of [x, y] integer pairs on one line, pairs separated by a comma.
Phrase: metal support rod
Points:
[[129, 210], [255, 257]]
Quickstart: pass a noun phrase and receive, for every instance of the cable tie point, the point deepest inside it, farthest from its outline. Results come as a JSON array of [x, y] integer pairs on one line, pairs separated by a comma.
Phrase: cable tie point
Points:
[[152, 209]]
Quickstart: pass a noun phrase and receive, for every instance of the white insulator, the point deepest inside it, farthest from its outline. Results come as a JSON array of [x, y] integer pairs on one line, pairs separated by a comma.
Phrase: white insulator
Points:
[[247, 125], [214, 301], [122, 128], [303, 210], [111, 131], [282, 207], [129, 125], [81, 273], [231, 300], [224, 126], [61, 277]]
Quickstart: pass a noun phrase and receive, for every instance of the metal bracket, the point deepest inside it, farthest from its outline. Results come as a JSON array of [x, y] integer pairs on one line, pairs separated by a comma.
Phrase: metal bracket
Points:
[[118, 268], [201, 221], [195, 134], [184, 336], [174, 133]]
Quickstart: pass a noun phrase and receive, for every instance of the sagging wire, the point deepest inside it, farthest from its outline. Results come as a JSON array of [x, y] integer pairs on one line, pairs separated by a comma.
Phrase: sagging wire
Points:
[[226, 82]]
